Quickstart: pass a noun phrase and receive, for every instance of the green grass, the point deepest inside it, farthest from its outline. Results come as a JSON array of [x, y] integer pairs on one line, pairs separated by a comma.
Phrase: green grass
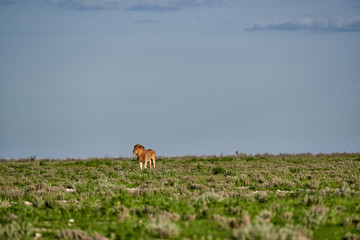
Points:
[[300, 196]]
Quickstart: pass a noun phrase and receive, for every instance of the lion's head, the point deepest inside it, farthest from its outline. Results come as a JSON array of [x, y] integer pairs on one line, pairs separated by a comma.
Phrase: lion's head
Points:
[[138, 149]]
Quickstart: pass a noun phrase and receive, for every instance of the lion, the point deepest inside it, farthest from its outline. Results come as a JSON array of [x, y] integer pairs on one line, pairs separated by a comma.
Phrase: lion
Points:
[[144, 155]]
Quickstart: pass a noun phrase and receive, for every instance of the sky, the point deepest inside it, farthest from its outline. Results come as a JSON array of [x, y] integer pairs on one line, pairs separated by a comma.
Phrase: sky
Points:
[[92, 78]]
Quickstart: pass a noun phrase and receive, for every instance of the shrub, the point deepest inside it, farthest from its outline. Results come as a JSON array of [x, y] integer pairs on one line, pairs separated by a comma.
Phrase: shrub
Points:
[[245, 221], [263, 216], [77, 234], [286, 216], [310, 200], [16, 231], [190, 217], [268, 232], [226, 222], [4, 204], [263, 229], [13, 193], [162, 226], [222, 221], [218, 170], [209, 197], [174, 217], [261, 196], [315, 216], [37, 201], [351, 236]]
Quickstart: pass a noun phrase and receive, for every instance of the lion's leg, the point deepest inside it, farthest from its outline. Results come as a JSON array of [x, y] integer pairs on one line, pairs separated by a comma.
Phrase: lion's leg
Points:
[[140, 163], [153, 161], [145, 164]]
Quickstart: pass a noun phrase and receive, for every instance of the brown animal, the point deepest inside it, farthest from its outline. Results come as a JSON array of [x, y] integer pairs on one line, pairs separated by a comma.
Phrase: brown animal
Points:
[[144, 156]]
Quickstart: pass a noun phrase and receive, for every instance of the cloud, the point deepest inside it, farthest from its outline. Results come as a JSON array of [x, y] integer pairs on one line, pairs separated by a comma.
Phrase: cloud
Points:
[[308, 24], [146, 20], [89, 4], [156, 7], [128, 5], [135, 5], [6, 2]]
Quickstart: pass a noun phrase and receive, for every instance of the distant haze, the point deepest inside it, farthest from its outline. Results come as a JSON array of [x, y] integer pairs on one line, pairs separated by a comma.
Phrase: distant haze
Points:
[[93, 78]]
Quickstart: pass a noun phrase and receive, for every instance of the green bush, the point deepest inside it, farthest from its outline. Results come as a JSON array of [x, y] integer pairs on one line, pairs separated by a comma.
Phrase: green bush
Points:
[[16, 231], [218, 170]]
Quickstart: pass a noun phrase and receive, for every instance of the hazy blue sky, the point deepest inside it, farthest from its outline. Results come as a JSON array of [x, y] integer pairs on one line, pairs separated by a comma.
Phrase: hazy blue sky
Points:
[[89, 78]]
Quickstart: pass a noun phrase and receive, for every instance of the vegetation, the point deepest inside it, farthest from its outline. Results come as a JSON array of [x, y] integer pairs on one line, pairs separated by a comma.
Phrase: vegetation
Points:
[[299, 196]]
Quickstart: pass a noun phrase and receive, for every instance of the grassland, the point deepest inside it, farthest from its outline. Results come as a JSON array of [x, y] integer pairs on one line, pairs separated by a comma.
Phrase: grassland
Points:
[[300, 196]]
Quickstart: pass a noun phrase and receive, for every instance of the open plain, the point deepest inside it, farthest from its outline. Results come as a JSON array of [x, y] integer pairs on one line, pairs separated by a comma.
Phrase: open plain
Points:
[[266, 196]]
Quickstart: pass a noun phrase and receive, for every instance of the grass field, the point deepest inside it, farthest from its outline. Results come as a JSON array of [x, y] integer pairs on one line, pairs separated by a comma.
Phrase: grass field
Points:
[[283, 197]]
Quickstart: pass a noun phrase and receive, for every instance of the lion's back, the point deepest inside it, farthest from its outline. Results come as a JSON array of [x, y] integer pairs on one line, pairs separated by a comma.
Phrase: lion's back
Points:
[[150, 153]]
